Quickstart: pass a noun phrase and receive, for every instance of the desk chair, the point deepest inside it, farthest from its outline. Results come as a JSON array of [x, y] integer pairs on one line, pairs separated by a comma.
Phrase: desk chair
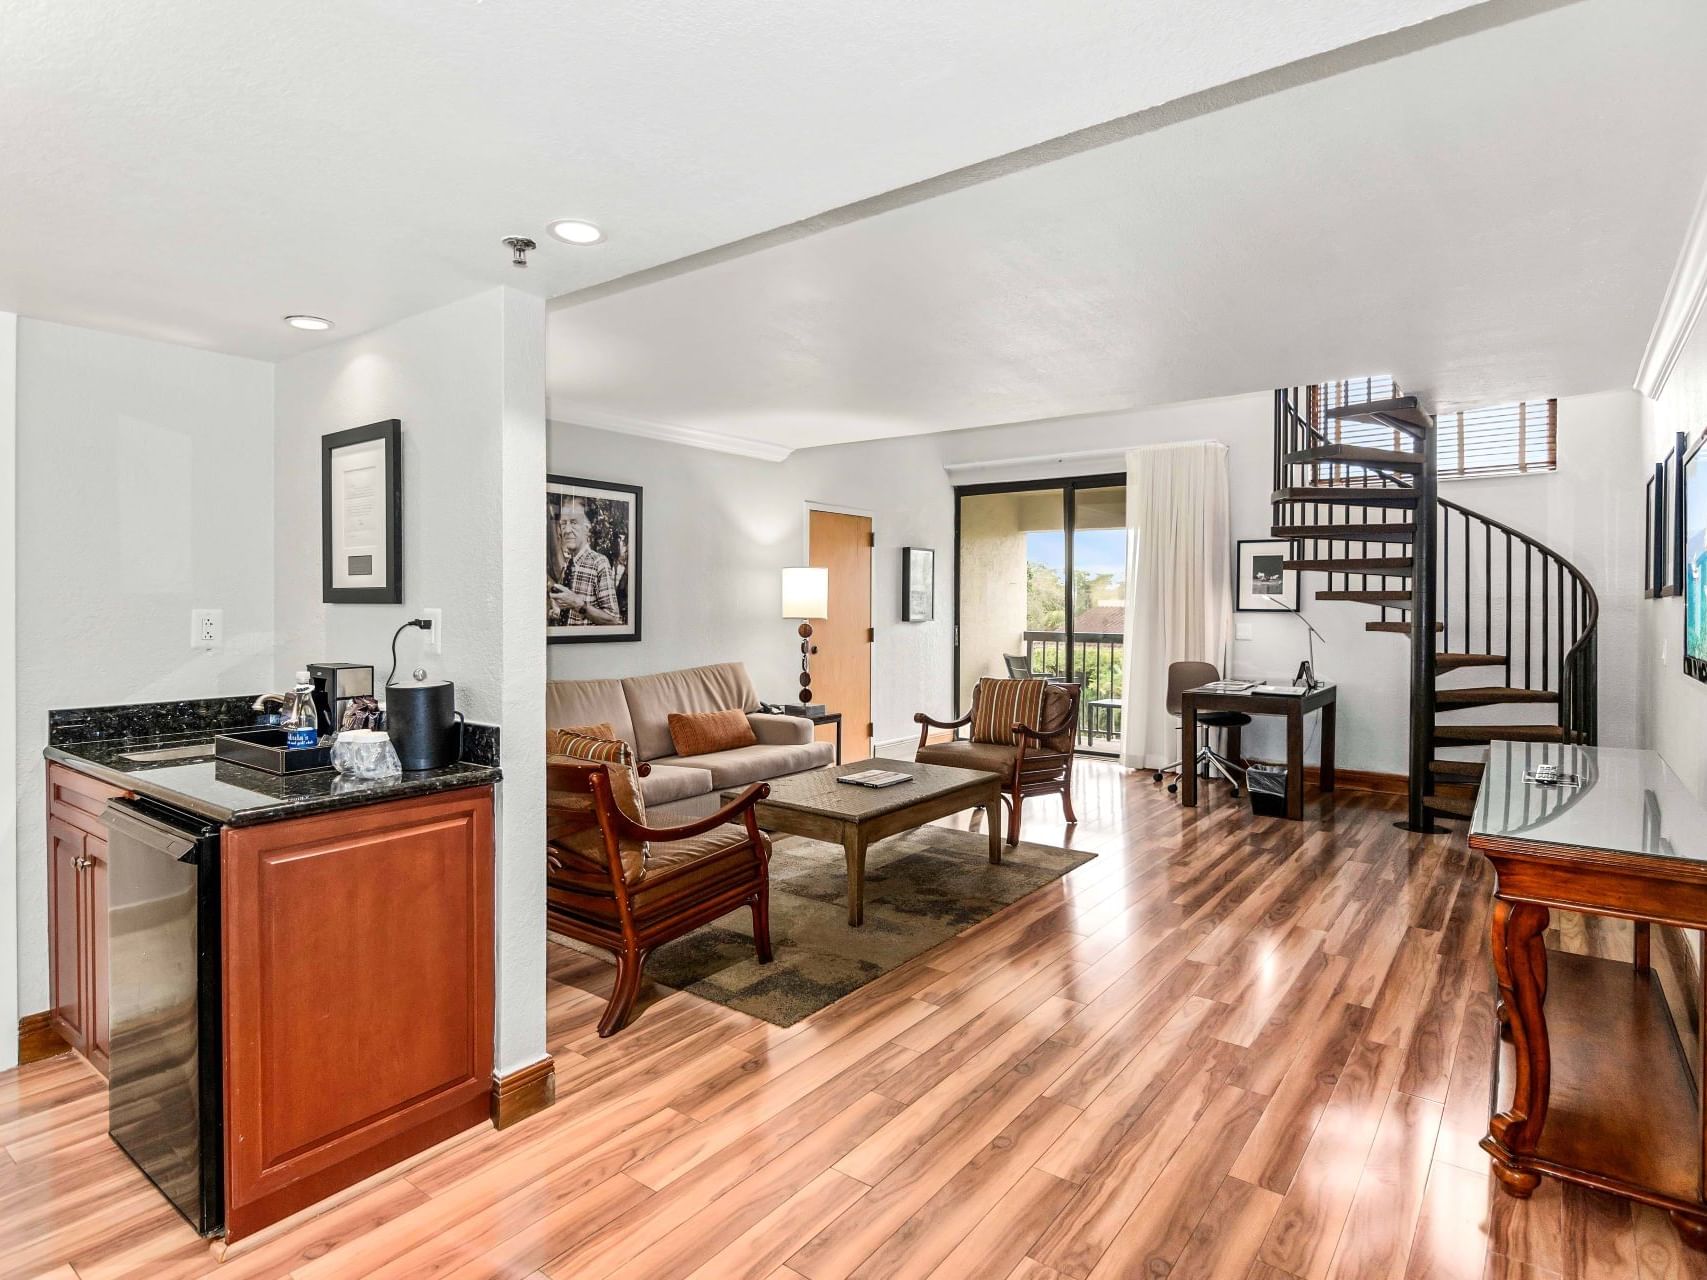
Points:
[[1189, 675]]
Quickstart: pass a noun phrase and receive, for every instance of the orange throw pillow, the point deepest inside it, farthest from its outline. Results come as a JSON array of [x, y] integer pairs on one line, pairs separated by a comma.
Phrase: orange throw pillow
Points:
[[556, 738], [708, 731]]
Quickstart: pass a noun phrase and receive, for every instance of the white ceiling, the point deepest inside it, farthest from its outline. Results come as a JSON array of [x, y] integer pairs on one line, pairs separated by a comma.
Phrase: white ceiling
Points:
[[194, 169], [1487, 217]]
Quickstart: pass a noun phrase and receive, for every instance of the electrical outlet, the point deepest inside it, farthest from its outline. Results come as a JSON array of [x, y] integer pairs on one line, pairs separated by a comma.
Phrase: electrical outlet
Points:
[[1243, 631], [207, 628], [435, 636]]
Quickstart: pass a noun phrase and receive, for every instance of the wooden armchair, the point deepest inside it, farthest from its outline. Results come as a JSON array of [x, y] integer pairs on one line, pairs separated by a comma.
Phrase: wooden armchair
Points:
[[1038, 760], [619, 884]]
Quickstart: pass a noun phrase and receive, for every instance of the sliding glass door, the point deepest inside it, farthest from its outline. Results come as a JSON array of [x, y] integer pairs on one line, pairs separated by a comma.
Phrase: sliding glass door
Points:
[[1041, 588]]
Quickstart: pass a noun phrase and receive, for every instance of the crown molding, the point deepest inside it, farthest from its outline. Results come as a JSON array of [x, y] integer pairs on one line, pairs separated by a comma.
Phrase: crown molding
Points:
[[1682, 306], [571, 415]]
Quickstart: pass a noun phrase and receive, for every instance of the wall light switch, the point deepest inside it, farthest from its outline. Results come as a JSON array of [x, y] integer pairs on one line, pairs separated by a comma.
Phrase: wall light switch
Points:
[[1243, 631], [435, 636], [207, 628]]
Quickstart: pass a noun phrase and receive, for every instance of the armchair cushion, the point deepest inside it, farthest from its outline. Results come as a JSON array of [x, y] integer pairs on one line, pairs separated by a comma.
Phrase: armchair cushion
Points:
[[573, 838], [992, 757], [704, 864], [998, 705]]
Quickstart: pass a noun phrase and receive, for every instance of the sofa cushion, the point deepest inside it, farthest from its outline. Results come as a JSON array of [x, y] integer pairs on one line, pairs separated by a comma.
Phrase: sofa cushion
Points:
[[667, 784], [754, 764], [700, 733], [651, 699], [783, 730], [589, 702]]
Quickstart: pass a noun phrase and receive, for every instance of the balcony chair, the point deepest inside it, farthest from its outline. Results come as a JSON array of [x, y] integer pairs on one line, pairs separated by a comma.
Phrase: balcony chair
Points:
[[1025, 730], [616, 883], [1189, 675]]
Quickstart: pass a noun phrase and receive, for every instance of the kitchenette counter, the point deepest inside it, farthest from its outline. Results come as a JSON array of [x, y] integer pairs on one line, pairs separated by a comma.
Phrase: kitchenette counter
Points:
[[236, 795], [165, 751]]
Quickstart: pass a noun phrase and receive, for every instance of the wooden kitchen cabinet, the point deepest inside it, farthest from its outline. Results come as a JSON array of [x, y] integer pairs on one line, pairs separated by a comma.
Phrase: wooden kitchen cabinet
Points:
[[358, 969], [77, 896]]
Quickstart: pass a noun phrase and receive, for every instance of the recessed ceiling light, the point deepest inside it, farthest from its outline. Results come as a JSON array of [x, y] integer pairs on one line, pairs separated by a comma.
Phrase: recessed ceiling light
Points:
[[575, 231], [316, 323]]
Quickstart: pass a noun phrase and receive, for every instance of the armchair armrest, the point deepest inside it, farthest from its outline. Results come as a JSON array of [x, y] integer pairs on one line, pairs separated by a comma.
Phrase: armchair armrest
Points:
[[780, 730], [740, 806], [926, 724]]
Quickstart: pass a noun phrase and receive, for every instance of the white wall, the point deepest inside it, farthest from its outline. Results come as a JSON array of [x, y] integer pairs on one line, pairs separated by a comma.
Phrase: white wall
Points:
[[145, 491], [8, 684], [467, 382], [719, 527], [1673, 705]]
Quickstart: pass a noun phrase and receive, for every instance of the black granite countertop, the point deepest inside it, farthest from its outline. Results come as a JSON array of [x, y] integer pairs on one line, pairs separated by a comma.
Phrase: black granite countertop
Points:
[[235, 794]]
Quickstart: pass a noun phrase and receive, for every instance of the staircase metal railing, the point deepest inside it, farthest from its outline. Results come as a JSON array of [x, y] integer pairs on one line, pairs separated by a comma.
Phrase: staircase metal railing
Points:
[[1491, 588]]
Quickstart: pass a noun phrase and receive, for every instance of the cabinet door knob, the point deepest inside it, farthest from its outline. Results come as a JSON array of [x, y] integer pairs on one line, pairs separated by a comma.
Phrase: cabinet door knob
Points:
[[82, 862]]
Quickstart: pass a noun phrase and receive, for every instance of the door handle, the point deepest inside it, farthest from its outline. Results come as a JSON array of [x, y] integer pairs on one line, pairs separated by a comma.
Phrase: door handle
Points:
[[82, 862]]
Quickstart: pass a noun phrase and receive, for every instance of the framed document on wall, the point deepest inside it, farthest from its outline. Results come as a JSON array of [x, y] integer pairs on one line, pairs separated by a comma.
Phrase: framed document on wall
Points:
[[361, 515]]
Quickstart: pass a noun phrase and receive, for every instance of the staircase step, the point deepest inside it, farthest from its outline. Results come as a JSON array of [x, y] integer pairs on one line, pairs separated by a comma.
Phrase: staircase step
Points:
[[1369, 495], [1473, 735], [1402, 413], [1489, 695], [1452, 802], [1398, 628], [1381, 566], [1392, 599], [1470, 769], [1395, 532], [1455, 661], [1358, 455]]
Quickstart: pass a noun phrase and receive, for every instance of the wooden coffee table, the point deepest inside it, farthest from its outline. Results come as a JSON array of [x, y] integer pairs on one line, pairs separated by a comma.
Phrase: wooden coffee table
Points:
[[816, 805]]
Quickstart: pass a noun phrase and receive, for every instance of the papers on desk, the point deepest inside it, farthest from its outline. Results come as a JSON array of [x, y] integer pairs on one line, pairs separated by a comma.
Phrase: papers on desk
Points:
[[1230, 686], [1282, 690]]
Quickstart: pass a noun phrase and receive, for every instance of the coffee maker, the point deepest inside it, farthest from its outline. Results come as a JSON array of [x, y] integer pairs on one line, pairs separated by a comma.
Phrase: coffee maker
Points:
[[335, 684]]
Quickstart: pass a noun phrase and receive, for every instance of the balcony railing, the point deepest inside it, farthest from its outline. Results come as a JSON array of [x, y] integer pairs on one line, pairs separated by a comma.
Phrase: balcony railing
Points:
[[1097, 667]]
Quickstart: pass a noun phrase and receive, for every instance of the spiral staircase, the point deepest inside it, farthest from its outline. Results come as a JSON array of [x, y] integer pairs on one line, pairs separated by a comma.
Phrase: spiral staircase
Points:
[[1496, 621]]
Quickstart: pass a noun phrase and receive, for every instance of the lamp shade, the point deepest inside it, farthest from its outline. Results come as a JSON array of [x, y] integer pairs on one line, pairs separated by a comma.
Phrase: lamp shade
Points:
[[806, 592]]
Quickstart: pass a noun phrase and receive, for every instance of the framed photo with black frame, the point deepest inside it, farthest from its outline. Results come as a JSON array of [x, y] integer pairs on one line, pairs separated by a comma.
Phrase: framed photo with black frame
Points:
[[361, 515], [918, 584], [1694, 557], [1651, 568], [1672, 581], [1261, 582], [593, 550]]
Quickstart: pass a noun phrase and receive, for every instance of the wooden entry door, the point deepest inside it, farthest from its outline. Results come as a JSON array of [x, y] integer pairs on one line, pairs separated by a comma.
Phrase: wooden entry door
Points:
[[841, 669]]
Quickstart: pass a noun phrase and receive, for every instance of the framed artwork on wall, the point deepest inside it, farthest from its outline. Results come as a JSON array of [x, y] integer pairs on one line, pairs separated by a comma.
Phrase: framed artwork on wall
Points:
[[918, 584], [1650, 533], [593, 560], [361, 515], [1673, 579], [1261, 581], [1694, 571]]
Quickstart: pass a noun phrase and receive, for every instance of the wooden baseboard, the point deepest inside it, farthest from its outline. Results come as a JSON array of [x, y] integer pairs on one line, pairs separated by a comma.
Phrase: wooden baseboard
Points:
[[523, 1092], [37, 1040]]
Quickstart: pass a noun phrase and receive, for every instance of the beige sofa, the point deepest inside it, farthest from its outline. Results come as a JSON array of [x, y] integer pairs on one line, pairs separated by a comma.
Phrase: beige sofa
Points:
[[682, 787]]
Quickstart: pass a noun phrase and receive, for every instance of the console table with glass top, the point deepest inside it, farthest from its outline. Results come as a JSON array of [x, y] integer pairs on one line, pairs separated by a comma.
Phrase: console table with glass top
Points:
[[1598, 1089]]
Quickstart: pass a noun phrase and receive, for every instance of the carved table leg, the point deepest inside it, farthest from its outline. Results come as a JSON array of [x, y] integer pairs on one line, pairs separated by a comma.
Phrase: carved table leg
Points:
[[1520, 967]]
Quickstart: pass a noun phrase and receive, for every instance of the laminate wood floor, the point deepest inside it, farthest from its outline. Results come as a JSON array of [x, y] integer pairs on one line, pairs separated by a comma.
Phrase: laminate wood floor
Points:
[[1227, 1047]]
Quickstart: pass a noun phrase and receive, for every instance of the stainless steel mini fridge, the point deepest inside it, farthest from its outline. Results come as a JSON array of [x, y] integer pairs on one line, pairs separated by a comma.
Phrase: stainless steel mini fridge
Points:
[[165, 1105]]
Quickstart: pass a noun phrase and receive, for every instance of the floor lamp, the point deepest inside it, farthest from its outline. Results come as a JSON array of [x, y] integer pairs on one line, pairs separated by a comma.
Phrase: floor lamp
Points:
[[806, 595]]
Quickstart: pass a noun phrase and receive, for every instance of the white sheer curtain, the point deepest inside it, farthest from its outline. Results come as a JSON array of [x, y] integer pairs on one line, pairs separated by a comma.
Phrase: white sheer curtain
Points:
[[1179, 603]]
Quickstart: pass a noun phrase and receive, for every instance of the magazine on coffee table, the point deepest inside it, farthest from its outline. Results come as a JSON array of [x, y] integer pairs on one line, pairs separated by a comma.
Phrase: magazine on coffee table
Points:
[[875, 778]]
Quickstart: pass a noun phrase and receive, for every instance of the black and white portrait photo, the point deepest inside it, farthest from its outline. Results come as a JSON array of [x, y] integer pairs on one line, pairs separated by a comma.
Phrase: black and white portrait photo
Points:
[[592, 560]]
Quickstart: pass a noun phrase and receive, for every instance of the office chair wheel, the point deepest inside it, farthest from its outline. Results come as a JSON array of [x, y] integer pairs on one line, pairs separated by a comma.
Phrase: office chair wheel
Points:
[[1234, 793], [1156, 776], [1173, 788]]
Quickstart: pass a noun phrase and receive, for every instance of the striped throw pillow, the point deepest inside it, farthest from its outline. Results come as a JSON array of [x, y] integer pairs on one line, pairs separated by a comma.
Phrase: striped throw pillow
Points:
[[998, 705]]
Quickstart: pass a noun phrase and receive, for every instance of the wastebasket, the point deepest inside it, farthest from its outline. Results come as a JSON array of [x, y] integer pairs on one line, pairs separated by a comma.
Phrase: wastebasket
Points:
[[1266, 785]]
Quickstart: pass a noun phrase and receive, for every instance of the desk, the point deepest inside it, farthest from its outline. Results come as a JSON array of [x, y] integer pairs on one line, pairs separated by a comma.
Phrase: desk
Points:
[[1293, 707], [1597, 1089]]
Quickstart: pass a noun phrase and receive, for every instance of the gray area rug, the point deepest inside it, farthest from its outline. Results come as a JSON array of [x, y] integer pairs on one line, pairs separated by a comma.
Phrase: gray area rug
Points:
[[922, 888]]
